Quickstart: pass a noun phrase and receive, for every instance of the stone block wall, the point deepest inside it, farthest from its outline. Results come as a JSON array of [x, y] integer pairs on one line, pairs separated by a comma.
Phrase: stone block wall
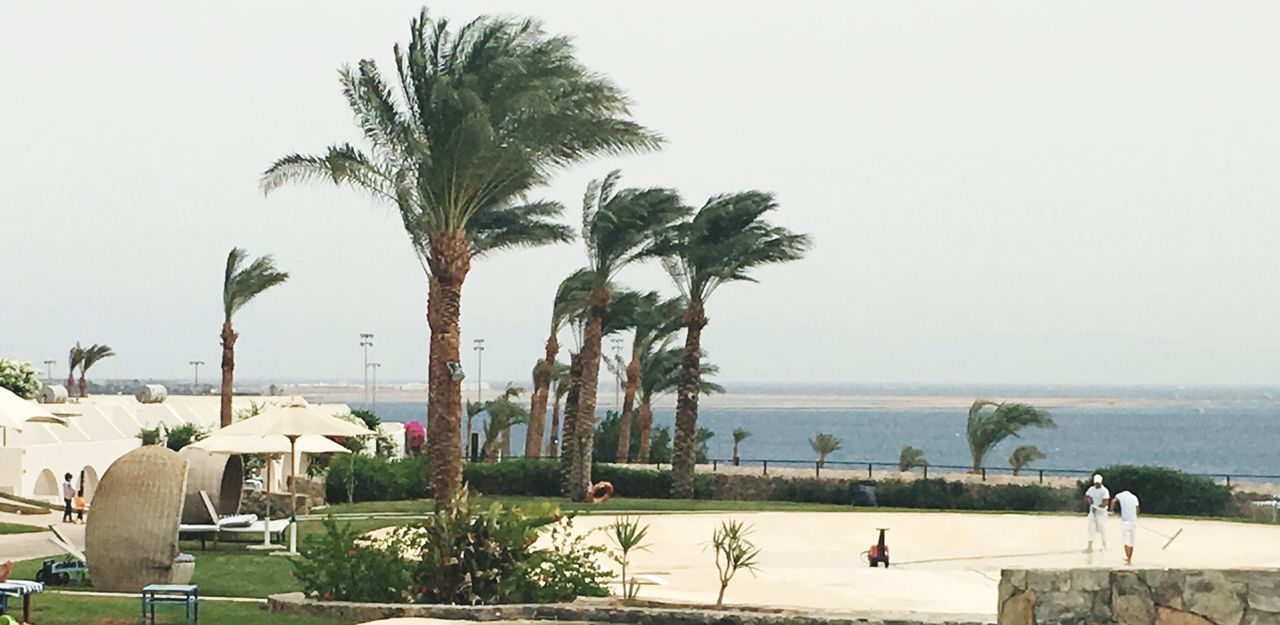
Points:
[[1140, 597]]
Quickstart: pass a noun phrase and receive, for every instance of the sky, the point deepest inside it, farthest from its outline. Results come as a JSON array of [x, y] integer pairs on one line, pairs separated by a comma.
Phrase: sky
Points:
[[998, 192]]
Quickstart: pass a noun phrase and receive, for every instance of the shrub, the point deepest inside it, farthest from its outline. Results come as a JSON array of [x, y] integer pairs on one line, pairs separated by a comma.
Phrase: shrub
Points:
[[535, 477], [568, 570], [149, 436], [182, 435], [1166, 491], [376, 479], [943, 495], [338, 565], [20, 377], [910, 458], [810, 490]]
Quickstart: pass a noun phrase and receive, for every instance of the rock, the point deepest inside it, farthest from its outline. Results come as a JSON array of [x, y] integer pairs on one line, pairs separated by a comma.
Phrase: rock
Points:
[[1131, 602], [1170, 616], [1102, 607], [1016, 578], [1018, 609], [1090, 579], [1260, 617], [1216, 596], [1264, 591], [1063, 608], [1166, 587], [1048, 581]]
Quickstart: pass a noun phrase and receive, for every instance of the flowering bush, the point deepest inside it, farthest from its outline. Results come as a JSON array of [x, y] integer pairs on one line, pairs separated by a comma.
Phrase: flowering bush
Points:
[[20, 377], [417, 435]]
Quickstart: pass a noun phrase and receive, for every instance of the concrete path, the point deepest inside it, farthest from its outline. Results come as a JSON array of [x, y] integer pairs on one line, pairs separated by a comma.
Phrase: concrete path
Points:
[[18, 547]]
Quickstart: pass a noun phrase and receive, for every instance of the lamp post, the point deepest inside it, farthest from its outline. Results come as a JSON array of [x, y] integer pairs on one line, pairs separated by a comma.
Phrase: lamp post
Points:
[[49, 365], [375, 366], [478, 345], [617, 377], [195, 376], [366, 341]]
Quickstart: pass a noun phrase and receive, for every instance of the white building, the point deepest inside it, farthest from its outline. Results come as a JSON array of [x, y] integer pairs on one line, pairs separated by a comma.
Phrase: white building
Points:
[[100, 429]]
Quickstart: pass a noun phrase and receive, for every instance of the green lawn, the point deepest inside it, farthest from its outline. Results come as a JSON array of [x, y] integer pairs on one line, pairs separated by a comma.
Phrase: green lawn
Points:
[[17, 528], [617, 504], [69, 609]]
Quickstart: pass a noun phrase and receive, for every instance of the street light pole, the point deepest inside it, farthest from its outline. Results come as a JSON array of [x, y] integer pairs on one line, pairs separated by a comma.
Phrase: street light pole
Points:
[[478, 345], [195, 364], [375, 366], [617, 377], [366, 341], [49, 365]]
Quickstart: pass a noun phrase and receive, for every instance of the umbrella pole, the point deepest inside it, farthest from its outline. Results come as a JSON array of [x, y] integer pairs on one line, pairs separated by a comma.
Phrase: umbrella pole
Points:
[[266, 521], [293, 496]]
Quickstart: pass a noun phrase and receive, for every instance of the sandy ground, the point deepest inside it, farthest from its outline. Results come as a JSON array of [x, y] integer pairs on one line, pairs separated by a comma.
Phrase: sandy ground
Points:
[[943, 563]]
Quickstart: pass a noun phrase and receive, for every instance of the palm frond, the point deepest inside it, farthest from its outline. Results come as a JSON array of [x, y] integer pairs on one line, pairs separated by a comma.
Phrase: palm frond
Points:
[[242, 283]]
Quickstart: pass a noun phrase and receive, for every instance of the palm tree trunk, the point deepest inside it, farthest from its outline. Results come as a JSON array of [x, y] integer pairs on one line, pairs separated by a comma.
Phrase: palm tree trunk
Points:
[[538, 402], [685, 447], [229, 337], [553, 448], [71, 382], [735, 453], [628, 406], [450, 260], [504, 442], [646, 428], [584, 423], [569, 438], [83, 385]]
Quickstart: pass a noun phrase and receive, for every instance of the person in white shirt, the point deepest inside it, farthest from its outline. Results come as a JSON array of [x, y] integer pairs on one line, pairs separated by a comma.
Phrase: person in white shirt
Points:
[[68, 493], [1098, 498], [1128, 504]]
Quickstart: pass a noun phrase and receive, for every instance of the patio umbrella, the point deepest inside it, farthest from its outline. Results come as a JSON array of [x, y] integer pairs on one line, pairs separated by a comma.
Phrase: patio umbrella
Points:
[[269, 446], [15, 412], [294, 421]]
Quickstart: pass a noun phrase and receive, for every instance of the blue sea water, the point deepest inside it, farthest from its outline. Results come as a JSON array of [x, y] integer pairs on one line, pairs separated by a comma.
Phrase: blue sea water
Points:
[[1210, 431]]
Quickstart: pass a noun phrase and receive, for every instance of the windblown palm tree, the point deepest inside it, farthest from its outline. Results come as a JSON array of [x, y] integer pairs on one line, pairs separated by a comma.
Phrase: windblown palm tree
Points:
[[569, 302], [75, 356], [723, 242], [660, 369], [739, 435], [1023, 456], [91, 356], [910, 458], [240, 283], [824, 445], [653, 321], [986, 428], [619, 228], [559, 387], [482, 116]]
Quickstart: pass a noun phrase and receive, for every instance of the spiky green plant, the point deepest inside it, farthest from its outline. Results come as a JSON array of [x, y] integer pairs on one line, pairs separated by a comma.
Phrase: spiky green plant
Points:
[[628, 535], [734, 552]]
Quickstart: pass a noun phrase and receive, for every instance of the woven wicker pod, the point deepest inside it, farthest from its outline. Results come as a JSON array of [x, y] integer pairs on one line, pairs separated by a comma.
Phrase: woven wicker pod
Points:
[[132, 536], [219, 475]]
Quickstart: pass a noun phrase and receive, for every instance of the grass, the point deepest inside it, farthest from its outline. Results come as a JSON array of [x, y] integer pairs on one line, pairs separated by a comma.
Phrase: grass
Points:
[[613, 506], [70, 609], [18, 528]]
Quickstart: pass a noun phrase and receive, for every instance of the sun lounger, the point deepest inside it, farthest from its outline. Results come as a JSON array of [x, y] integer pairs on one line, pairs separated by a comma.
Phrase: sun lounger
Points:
[[278, 526], [205, 531]]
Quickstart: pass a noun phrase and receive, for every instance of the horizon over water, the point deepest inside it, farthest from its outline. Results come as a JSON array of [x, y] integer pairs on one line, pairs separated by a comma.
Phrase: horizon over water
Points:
[[1198, 429]]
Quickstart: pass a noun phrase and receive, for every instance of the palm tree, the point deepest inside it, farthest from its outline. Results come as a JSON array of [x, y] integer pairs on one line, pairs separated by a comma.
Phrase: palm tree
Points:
[[652, 322], [91, 357], [569, 302], [240, 283], [559, 387], [739, 435], [910, 458], [723, 242], [503, 413], [986, 428], [1023, 456], [618, 227], [660, 373], [75, 356], [483, 115], [824, 445]]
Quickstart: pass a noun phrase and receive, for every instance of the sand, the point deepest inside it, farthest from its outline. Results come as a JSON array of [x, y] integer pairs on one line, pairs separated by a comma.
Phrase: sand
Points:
[[942, 563]]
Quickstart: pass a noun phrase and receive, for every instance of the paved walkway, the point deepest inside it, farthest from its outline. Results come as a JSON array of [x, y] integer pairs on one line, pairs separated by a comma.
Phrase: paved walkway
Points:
[[18, 547]]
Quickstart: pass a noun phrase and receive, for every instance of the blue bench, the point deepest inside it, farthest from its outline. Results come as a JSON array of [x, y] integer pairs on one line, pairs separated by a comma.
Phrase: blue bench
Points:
[[186, 595]]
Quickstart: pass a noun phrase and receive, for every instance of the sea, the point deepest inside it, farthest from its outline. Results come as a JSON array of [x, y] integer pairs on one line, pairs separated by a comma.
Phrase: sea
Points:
[[1204, 430]]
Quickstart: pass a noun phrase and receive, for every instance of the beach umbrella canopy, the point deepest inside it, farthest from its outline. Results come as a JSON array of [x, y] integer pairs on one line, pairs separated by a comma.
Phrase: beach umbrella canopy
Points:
[[268, 445]]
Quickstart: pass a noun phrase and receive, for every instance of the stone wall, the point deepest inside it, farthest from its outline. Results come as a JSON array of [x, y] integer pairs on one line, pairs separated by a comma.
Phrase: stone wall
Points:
[[1140, 597]]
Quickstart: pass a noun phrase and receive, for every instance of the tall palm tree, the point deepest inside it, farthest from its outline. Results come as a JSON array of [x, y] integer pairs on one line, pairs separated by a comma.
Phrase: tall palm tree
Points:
[[569, 301], [91, 356], [723, 242], [619, 228], [483, 115], [559, 387], [75, 356], [240, 283], [824, 445], [985, 428], [660, 373], [739, 435], [653, 321]]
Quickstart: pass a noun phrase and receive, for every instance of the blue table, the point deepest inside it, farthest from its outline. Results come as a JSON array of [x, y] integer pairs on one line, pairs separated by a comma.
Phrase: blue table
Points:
[[185, 594], [17, 588]]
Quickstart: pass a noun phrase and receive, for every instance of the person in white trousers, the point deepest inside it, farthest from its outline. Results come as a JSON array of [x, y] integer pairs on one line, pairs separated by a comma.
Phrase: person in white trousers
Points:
[[1128, 504], [1098, 498]]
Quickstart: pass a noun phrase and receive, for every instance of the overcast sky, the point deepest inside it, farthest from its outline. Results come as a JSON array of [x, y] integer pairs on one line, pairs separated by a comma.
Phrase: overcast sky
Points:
[[1001, 192]]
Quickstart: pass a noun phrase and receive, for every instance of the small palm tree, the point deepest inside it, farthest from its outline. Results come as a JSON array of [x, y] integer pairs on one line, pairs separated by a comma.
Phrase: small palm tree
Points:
[[739, 435], [569, 302], [559, 388], [618, 227], [91, 357], [240, 283], [990, 423], [824, 445], [628, 534], [660, 373], [1023, 456], [652, 321], [723, 242], [482, 116], [75, 356], [910, 458]]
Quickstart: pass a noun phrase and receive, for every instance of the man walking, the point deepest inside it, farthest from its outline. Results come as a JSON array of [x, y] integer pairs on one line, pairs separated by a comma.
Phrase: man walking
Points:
[[68, 493], [1098, 498], [1128, 504]]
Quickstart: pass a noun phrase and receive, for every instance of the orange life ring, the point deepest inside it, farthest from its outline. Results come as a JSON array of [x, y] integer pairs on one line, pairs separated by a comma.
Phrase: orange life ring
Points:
[[599, 492]]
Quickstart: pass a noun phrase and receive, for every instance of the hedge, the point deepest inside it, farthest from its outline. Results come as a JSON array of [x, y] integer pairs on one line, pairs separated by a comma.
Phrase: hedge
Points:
[[1165, 491], [943, 495]]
